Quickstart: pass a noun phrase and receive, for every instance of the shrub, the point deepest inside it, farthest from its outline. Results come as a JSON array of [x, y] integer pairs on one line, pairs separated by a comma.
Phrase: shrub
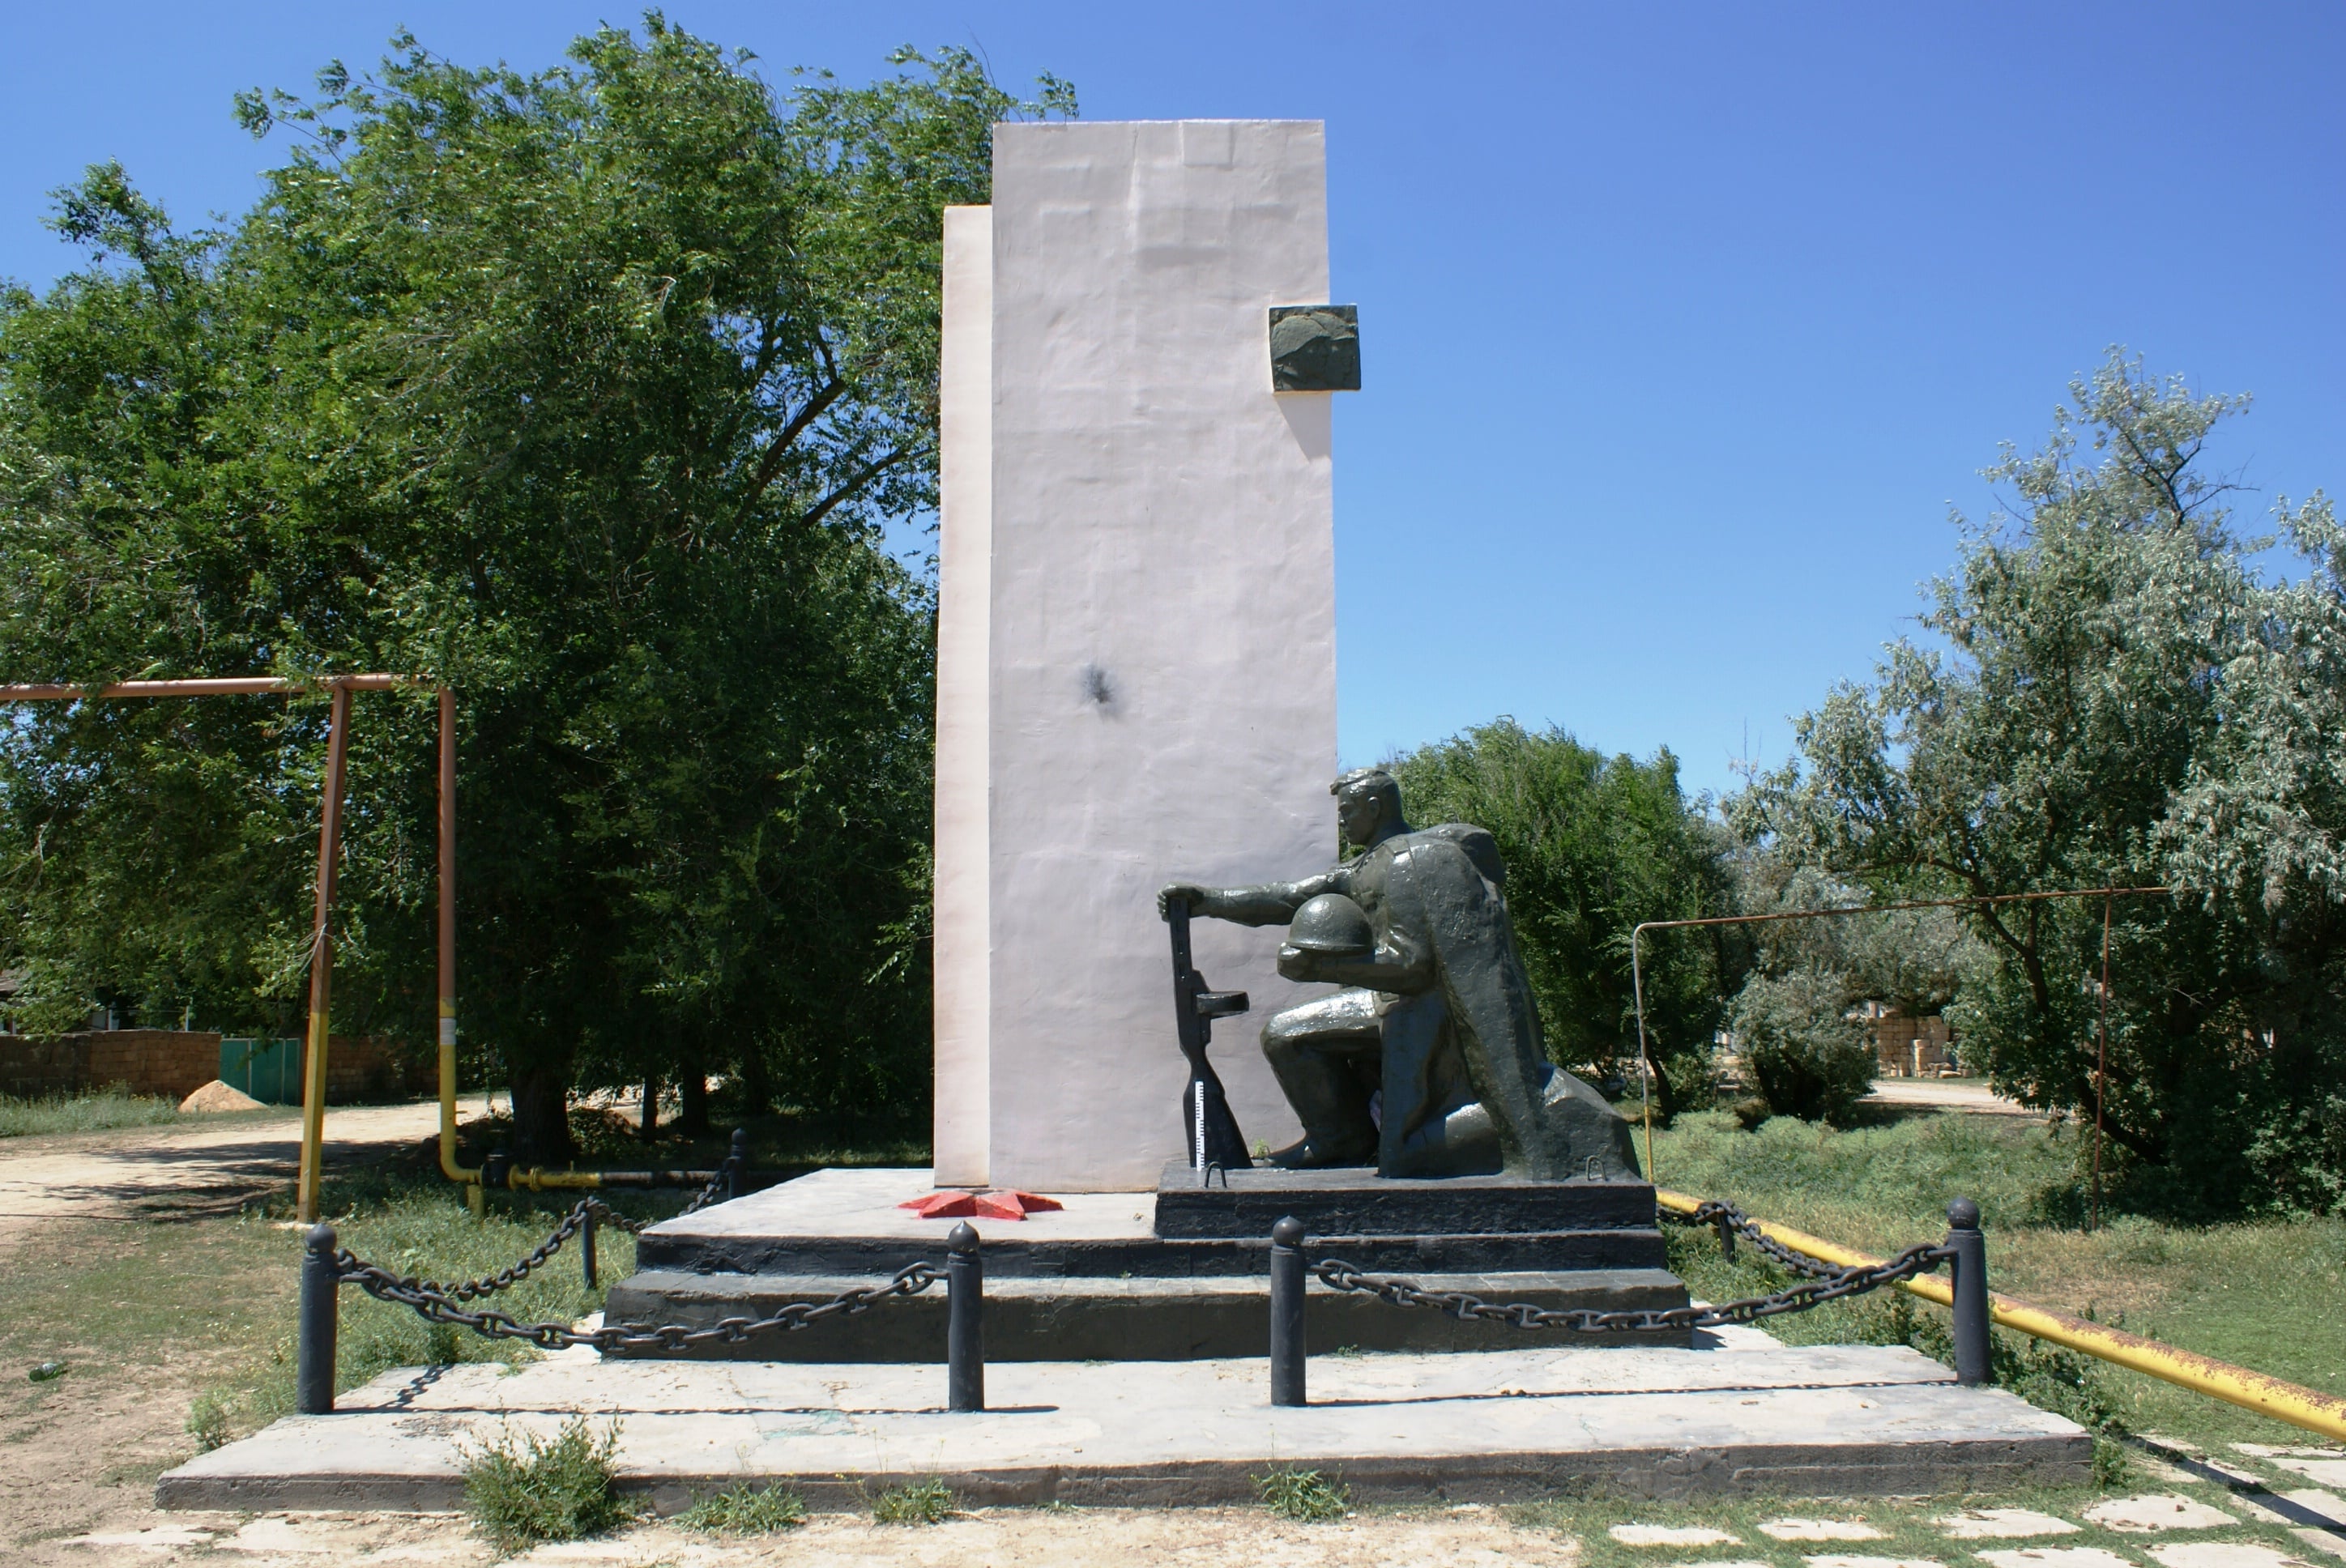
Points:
[[1304, 1495], [1808, 1058], [917, 1503], [522, 1490], [745, 1510]]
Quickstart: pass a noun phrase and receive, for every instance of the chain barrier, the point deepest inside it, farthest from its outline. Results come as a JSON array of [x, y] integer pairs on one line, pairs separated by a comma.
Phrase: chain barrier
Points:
[[571, 1223], [1732, 1222], [716, 1183], [1821, 1283], [440, 1306], [440, 1303]]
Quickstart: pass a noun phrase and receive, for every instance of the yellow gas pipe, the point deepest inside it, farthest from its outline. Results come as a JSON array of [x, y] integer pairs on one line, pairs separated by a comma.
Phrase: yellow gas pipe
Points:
[[2284, 1401]]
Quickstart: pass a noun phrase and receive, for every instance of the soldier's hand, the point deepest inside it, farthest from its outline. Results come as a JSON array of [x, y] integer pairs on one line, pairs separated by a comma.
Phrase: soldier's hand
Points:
[[1195, 896]]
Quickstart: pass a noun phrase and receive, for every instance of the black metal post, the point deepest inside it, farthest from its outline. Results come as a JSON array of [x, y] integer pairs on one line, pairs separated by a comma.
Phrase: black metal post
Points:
[[313, 1360], [737, 1165], [1287, 1312], [965, 1321], [1970, 1284], [587, 1249], [497, 1170]]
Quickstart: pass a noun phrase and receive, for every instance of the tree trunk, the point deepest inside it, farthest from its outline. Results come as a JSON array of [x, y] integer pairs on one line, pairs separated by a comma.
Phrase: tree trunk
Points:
[[757, 1094], [651, 1107], [692, 1095], [541, 1107]]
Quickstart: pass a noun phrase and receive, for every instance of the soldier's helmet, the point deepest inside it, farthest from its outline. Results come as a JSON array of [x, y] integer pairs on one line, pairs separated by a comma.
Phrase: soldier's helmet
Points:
[[1332, 923]]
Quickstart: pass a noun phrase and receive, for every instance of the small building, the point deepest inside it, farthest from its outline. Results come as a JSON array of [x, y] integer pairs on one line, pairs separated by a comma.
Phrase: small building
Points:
[[1907, 1047]]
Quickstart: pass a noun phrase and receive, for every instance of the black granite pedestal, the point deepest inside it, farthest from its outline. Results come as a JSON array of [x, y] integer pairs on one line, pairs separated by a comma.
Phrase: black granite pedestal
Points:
[[1177, 1275]]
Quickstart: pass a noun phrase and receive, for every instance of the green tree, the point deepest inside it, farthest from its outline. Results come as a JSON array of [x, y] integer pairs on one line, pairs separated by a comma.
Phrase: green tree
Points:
[[2114, 696], [1592, 845], [587, 391]]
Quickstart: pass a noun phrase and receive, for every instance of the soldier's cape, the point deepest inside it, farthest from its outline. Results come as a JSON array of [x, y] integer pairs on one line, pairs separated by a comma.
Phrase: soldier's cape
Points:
[[1443, 892]]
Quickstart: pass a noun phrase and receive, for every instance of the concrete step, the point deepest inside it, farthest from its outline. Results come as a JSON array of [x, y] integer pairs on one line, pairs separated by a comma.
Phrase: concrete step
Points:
[[852, 1222], [1497, 1426], [1146, 1320], [1356, 1201]]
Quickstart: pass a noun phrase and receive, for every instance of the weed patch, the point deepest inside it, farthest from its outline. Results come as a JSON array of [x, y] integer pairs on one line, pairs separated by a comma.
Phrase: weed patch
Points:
[[28, 1118], [1304, 1495], [917, 1503], [522, 1490], [745, 1510]]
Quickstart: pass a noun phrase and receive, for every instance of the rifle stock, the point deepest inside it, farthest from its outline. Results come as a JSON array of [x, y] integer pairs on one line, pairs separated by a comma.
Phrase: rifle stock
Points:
[[1208, 1130]]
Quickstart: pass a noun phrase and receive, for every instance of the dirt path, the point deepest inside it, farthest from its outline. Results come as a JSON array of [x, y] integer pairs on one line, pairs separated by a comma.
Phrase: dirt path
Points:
[[1947, 1095], [192, 1168]]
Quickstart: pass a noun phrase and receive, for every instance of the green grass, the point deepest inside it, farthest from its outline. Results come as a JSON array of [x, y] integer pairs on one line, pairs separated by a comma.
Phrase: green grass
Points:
[[217, 1295], [523, 1490], [744, 1510], [915, 1503], [1304, 1495], [2264, 1294], [21, 1118]]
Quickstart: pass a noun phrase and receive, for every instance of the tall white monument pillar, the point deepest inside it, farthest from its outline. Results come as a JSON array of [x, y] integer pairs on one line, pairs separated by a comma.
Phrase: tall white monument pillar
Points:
[[1135, 642]]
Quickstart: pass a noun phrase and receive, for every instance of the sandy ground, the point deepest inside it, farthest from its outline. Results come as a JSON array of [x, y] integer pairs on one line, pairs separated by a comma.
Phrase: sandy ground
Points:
[[191, 1169], [1947, 1094], [1469, 1537]]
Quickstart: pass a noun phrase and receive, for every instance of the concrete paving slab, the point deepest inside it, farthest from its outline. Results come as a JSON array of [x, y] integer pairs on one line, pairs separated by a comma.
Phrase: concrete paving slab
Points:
[[1670, 1535], [2325, 1541], [2002, 1524], [158, 1538], [1729, 1562], [1846, 1421], [1819, 1530], [2221, 1554], [2327, 1507], [2057, 1557], [2328, 1471], [1830, 1562], [2267, 1450], [2157, 1512]]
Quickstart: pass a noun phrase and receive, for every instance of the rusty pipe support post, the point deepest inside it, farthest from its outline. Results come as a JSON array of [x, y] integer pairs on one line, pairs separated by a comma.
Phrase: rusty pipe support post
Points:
[[1970, 1286], [964, 1320], [322, 1284], [1287, 1312]]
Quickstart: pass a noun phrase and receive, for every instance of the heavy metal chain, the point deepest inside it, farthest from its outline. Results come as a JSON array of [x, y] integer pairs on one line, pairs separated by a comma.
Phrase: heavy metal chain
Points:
[[708, 1195], [439, 1305], [603, 1213], [506, 1278], [1732, 1222], [1816, 1291]]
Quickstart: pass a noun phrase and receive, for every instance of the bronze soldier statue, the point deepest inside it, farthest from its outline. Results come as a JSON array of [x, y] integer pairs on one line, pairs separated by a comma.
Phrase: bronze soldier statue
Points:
[[1435, 1031]]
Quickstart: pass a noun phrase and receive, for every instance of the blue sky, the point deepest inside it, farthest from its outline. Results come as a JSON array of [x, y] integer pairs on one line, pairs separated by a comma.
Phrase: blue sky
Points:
[[1682, 325]]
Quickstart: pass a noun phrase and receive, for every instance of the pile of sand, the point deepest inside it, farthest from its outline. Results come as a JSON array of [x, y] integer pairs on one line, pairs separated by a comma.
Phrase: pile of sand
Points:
[[218, 1096]]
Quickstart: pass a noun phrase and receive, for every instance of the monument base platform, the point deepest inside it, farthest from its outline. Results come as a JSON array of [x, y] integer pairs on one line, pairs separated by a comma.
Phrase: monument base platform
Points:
[[1177, 1275], [1079, 1319], [1808, 1421]]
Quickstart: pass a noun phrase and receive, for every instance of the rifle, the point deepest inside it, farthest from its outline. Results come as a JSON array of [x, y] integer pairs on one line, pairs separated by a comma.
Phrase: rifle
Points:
[[1208, 1127]]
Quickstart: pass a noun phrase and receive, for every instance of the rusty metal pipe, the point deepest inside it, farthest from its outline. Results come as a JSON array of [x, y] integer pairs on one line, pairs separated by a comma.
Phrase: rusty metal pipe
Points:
[[321, 960]]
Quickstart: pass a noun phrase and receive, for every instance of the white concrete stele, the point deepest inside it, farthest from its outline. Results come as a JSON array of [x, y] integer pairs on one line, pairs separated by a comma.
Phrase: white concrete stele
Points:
[[1136, 663]]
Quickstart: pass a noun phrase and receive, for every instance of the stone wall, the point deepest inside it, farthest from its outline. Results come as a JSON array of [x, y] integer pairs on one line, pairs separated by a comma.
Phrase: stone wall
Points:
[[172, 1062], [1906, 1047]]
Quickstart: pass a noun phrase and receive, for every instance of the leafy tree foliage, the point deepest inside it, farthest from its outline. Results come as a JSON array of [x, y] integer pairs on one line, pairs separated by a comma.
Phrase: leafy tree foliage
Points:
[[1808, 1058], [2114, 695], [1593, 845], [1793, 1018], [586, 392]]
